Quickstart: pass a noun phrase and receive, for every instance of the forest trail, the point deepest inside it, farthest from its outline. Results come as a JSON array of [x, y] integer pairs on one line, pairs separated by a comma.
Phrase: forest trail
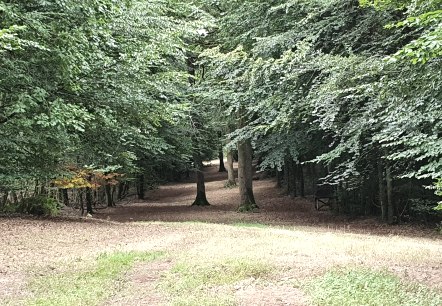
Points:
[[287, 240], [172, 203]]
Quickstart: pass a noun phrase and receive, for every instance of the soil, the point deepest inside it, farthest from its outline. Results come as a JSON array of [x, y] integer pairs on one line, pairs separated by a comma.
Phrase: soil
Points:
[[35, 245], [172, 203]]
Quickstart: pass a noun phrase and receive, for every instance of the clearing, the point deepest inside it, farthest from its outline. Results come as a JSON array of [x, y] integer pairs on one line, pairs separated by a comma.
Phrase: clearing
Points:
[[161, 251]]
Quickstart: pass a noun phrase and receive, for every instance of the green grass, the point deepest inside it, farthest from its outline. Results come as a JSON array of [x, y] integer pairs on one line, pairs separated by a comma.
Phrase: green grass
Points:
[[87, 287], [250, 224], [207, 283], [350, 287]]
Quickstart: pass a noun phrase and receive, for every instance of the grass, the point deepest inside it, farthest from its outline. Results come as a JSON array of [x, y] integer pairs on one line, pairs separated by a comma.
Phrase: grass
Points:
[[208, 283], [251, 224], [348, 287], [89, 287]]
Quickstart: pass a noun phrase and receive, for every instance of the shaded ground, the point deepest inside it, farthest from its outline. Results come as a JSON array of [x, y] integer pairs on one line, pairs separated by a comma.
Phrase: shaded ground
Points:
[[305, 243], [172, 203]]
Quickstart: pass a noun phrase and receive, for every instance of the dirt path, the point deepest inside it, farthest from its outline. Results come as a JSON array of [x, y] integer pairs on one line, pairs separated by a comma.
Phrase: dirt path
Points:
[[172, 203]]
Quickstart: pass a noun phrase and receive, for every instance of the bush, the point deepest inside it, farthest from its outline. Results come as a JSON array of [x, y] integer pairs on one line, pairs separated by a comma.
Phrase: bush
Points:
[[39, 206]]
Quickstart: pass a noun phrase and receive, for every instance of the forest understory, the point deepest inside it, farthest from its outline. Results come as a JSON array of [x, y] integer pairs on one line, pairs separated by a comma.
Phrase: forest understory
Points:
[[297, 242]]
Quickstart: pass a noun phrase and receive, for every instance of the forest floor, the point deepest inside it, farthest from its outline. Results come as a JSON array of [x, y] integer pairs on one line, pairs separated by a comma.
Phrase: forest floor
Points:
[[271, 255]]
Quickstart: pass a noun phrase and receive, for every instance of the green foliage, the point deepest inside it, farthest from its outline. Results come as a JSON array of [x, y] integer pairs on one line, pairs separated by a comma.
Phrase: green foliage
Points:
[[89, 287], [438, 186], [39, 206], [366, 287], [424, 15], [97, 82]]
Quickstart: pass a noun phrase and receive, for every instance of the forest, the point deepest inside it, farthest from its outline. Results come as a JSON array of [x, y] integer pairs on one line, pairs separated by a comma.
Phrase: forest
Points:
[[105, 95], [221, 152]]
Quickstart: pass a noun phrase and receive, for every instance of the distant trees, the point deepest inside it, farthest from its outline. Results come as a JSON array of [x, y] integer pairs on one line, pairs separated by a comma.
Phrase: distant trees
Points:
[[326, 82], [93, 84], [349, 90]]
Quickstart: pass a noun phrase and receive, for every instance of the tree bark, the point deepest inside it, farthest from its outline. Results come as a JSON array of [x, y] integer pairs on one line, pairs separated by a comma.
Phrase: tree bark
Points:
[[201, 199], [279, 178], [14, 197], [80, 197], [300, 171], [231, 181], [290, 169], [245, 176], [89, 201], [65, 196], [222, 168], [382, 195], [109, 198], [4, 199], [390, 202], [140, 187]]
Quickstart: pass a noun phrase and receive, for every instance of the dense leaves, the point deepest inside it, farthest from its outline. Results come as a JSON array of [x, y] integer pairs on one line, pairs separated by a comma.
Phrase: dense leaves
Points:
[[137, 87]]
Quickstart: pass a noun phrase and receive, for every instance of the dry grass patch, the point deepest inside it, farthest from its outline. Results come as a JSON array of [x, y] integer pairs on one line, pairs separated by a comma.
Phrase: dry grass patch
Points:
[[88, 286], [361, 286], [220, 257], [210, 282]]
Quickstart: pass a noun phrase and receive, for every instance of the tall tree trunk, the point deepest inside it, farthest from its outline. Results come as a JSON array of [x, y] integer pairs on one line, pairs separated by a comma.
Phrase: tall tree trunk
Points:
[[120, 191], [290, 169], [231, 181], [4, 199], [80, 198], [286, 173], [279, 178], [390, 202], [222, 168], [301, 180], [114, 189], [109, 198], [65, 196], [294, 174], [245, 176], [201, 199], [14, 197], [382, 195], [89, 201], [140, 187]]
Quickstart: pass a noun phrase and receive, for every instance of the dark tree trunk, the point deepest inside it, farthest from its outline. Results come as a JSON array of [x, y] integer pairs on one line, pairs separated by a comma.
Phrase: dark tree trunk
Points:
[[36, 189], [286, 173], [290, 168], [109, 198], [14, 197], [80, 198], [390, 201], [300, 171], [65, 196], [201, 199], [89, 201], [222, 168], [231, 181], [382, 195], [121, 190], [4, 199], [245, 176], [279, 178], [140, 187], [294, 174], [114, 189]]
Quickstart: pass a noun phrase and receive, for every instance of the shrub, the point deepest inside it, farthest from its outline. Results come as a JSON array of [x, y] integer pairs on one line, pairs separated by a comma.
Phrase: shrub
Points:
[[39, 206]]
